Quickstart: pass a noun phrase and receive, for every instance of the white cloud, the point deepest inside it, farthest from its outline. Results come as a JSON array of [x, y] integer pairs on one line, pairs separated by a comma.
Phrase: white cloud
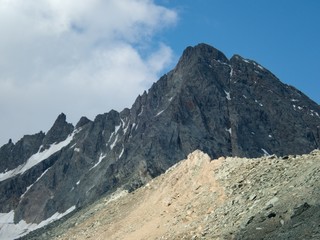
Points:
[[78, 57]]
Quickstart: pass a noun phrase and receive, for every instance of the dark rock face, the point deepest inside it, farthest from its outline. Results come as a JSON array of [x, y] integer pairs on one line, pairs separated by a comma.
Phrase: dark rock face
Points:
[[267, 114], [12, 155], [58, 132], [222, 107]]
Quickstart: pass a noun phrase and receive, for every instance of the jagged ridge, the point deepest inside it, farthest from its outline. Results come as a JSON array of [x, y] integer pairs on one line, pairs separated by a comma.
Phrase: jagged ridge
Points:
[[223, 107]]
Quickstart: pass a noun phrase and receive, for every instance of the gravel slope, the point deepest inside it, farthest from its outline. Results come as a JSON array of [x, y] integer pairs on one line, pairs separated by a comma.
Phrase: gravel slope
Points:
[[228, 198]]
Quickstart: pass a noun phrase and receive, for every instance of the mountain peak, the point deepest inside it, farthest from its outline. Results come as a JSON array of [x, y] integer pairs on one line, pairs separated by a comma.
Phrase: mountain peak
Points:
[[83, 121], [201, 53], [59, 131], [61, 118], [222, 107]]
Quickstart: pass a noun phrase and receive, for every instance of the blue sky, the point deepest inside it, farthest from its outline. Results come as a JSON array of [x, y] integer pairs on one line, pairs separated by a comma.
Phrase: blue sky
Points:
[[281, 35], [87, 57]]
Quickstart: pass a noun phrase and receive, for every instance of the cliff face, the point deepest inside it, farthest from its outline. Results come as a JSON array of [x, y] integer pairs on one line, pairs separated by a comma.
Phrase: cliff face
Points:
[[223, 107]]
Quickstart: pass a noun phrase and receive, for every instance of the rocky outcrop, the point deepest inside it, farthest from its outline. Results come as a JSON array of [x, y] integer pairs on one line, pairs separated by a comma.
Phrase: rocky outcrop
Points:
[[223, 107], [58, 132], [12, 155]]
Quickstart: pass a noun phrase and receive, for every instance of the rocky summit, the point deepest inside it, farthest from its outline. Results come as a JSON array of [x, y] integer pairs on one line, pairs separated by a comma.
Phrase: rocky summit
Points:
[[224, 107]]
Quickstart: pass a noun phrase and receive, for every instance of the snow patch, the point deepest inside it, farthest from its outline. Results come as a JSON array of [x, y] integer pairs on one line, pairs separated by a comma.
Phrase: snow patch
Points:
[[259, 66], [114, 142], [223, 63], [126, 129], [116, 128], [265, 152], [28, 188], [78, 182], [229, 130], [122, 122], [231, 71], [295, 107], [102, 156], [121, 153], [111, 135], [260, 104], [141, 111], [9, 230], [37, 158], [244, 96], [77, 149], [270, 136], [227, 95], [89, 189], [73, 145], [159, 113], [294, 100], [170, 99]]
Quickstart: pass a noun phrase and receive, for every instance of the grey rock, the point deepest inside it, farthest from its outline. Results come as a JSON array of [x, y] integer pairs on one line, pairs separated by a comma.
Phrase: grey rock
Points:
[[58, 132], [300, 209], [13, 155]]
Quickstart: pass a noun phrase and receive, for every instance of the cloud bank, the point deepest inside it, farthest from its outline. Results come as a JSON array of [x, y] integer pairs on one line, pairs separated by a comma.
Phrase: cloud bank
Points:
[[78, 57]]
